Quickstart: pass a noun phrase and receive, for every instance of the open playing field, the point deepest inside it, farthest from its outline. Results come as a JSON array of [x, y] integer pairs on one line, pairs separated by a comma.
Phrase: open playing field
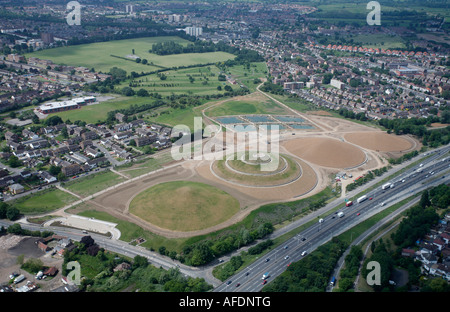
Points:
[[195, 206], [204, 81], [250, 104], [94, 183], [44, 201], [99, 55], [95, 112]]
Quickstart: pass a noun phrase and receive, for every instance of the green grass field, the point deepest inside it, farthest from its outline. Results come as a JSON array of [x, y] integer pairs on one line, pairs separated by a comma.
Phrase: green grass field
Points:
[[45, 201], [167, 205], [98, 55], [247, 75], [204, 82], [139, 168], [94, 183], [252, 104], [96, 112]]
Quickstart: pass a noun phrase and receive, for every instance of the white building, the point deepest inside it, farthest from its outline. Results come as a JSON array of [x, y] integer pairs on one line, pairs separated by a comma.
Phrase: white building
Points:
[[337, 84], [194, 31]]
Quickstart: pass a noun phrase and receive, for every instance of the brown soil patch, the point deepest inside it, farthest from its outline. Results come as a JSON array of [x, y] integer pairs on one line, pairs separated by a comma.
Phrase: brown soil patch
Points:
[[379, 141], [326, 152], [439, 125]]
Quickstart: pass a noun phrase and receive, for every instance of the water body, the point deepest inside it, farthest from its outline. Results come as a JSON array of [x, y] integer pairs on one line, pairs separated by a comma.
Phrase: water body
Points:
[[289, 119], [229, 120]]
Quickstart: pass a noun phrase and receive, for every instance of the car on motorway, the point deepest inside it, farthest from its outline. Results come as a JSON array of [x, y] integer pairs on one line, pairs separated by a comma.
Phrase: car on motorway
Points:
[[247, 274], [370, 198], [358, 214], [268, 259], [264, 282], [286, 247], [303, 253], [303, 239], [229, 282], [382, 204], [238, 284], [287, 257]]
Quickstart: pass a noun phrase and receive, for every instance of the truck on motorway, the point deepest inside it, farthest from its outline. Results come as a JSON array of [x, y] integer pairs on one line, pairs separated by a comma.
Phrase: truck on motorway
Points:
[[349, 203], [361, 199], [419, 170], [340, 214], [386, 186], [265, 275]]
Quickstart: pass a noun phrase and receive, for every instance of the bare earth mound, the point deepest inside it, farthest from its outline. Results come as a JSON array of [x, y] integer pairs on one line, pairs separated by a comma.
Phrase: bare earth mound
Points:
[[379, 141], [326, 152]]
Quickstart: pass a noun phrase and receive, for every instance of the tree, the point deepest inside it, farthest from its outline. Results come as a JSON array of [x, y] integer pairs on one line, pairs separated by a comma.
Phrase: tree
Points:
[[33, 265], [140, 262], [142, 93], [12, 213], [53, 121], [87, 241], [425, 200], [14, 162], [3, 208]]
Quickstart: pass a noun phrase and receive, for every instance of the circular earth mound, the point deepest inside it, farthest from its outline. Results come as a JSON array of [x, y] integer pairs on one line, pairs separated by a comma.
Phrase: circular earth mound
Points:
[[326, 152], [379, 141], [184, 205], [263, 171]]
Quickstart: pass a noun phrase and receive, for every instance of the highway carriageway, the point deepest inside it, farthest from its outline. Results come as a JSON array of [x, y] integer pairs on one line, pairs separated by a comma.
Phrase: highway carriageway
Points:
[[275, 262]]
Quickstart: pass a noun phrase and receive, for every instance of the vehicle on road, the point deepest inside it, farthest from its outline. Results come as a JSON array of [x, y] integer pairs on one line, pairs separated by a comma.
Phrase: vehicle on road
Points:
[[304, 253], [264, 282], [333, 281], [386, 186], [287, 257], [340, 214], [265, 275], [370, 198], [268, 259], [358, 214], [238, 284], [361, 199], [349, 203]]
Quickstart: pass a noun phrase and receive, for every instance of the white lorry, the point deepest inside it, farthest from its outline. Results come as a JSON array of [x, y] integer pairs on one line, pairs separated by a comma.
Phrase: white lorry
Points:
[[361, 199], [265, 275], [386, 186]]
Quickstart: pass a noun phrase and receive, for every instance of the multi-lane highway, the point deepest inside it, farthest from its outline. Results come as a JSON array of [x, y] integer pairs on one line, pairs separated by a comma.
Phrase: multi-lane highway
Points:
[[435, 170]]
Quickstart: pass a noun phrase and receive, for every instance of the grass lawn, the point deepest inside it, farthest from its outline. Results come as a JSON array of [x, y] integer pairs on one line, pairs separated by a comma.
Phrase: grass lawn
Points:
[[145, 166], [94, 183], [167, 205], [252, 104], [247, 75], [204, 82], [45, 201], [99, 112], [99, 55]]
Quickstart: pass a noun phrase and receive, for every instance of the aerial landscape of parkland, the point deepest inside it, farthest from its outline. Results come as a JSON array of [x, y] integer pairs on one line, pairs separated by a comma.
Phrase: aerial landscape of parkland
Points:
[[221, 152]]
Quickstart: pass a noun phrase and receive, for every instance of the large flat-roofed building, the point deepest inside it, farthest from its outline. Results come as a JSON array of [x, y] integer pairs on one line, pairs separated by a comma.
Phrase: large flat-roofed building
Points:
[[54, 107]]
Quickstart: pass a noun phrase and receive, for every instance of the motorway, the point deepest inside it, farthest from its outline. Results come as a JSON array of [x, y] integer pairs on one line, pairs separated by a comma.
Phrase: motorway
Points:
[[435, 172]]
